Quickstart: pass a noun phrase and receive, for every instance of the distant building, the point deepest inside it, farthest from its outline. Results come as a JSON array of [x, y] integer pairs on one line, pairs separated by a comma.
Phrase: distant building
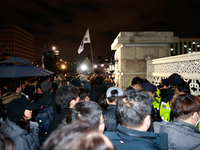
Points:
[[16, 42], [185, 46]]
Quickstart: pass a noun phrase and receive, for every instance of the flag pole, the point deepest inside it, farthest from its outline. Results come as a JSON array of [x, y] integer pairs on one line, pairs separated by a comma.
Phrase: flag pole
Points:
[[91, 52]]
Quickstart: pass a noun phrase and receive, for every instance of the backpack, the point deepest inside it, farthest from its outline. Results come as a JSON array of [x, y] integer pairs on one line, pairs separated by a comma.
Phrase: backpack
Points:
[[45, 115]]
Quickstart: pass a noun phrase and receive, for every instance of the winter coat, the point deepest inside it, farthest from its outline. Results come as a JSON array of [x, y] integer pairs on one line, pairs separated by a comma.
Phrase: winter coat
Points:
[[111, 120], [58, 119], [96, 91], [46, 97], [86, 84], [181, 135], [128, 139], [23, 139]]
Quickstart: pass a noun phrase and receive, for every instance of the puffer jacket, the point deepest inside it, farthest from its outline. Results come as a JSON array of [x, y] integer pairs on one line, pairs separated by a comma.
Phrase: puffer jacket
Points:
[[23, 139], [181, 135]]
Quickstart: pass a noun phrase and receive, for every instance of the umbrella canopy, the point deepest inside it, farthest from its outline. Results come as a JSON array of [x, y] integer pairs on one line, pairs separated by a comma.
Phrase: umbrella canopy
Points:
[[44, 70], [15, 59], [11, 71]]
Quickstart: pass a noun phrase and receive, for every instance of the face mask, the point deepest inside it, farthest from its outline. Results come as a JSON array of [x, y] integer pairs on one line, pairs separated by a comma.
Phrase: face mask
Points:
[[197, 121]]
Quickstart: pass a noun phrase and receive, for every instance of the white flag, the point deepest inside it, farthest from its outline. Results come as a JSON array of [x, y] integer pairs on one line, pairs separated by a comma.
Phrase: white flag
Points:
[[86, 39]]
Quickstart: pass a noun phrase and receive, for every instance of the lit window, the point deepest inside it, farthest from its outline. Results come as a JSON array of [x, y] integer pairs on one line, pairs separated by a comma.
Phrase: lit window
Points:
[[172, 49], [185, 45], [193, 42]]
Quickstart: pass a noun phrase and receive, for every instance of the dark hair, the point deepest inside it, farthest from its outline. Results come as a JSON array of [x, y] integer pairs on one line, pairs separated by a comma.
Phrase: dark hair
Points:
[[184, 87], [69, 78], [184, 104], [64, 82], [93, 82], [113, 96], [99, 80], [54, 87], [101, 100], [137, 80], [13, 85], [24, 124], [83, 92], [6, 142], [86, 110], [65, 94], [76, 136], [133, 107]]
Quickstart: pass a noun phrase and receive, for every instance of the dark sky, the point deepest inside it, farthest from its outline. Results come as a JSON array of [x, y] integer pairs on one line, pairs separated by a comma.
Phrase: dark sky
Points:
[[63, 23]]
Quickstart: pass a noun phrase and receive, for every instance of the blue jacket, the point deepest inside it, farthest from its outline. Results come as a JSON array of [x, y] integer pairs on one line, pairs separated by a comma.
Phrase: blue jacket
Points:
[[128, 139], [86, 84]]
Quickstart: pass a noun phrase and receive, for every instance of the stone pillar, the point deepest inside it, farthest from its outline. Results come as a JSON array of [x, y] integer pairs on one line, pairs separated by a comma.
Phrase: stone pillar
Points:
[[132, 50]]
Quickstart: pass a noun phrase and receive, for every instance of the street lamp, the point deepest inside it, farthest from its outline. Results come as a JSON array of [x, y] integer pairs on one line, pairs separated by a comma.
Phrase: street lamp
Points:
[[54, 48], [84, 67]]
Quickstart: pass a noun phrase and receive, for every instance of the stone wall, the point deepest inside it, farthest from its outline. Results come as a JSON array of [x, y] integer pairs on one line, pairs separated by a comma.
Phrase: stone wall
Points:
[[132, 50]]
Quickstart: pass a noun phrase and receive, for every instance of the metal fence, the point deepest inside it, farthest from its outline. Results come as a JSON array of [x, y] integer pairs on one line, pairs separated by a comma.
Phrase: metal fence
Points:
[[187, 65]]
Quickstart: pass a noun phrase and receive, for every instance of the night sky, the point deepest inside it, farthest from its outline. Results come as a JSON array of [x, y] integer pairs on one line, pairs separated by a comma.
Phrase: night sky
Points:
[[63, 23]]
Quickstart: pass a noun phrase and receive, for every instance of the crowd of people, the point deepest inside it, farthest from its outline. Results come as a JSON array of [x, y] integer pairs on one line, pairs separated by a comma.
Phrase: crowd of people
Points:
[[90, 112]]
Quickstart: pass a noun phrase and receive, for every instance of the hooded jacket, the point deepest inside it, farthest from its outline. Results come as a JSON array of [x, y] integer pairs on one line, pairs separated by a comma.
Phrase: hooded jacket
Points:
[[23, 139], [181, 135], [8, 97]]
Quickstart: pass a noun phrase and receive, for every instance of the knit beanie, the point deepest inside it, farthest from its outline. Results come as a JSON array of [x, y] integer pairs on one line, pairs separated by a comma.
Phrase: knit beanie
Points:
[[46, 86]]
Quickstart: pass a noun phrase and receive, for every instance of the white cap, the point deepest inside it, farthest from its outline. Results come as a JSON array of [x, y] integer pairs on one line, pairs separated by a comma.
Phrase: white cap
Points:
[[119, 90]]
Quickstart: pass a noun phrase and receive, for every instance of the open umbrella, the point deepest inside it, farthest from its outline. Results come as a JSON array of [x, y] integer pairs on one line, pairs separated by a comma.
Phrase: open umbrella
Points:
[[11, 71], [15, 59]]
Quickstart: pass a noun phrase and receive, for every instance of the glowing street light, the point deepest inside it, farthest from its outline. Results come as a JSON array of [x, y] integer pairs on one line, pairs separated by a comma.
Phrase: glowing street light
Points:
[[63, 66], [102, 65], [54, 48], [95, 66], [83, 67]]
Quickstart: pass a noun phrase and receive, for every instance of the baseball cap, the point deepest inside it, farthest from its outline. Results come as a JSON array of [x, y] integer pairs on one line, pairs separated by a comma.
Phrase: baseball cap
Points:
[[109, 92]]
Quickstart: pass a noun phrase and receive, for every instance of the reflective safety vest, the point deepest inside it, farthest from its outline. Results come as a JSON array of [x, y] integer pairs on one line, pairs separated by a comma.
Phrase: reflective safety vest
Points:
[[163, 108], [157, 99], [165, 111]]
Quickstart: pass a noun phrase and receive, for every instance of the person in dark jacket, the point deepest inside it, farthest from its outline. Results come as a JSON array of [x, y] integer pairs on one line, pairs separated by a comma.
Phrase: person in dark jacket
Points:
[[110, 114], [85, 82], [66, 98], [98, 89], [17, 124], [182, 132], [133, 112], [47, 89], [136, 84]]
